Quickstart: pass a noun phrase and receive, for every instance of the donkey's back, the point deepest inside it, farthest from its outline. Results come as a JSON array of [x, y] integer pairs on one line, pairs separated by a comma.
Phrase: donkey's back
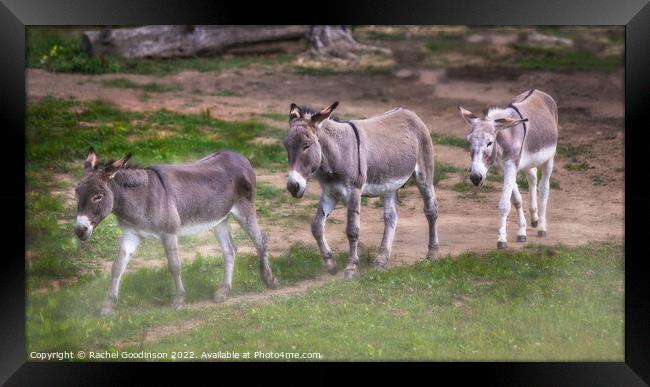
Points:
[[397, 142], [207, 189]]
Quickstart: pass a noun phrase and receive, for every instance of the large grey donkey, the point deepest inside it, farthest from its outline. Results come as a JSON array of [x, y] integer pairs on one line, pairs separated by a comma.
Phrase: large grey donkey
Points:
[[165, 201], [368, 157], [523, 136]]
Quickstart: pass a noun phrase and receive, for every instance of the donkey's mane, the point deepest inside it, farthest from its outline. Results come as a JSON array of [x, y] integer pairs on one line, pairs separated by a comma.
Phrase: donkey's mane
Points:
[[126, 180], [310, 110], [105, 164]]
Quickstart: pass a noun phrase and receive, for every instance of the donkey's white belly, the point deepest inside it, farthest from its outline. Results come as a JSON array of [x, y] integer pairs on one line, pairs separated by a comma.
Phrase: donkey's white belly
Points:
[[532, 160], [196, 228], [383, 188]]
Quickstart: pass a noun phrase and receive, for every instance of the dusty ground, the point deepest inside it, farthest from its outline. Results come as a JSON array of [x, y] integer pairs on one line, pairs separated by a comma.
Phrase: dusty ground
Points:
[[589, 205]]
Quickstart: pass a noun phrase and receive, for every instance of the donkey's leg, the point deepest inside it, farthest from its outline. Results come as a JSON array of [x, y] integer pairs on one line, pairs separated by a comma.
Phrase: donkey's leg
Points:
[[521, 218], [325, 207], [531, 175], [222, 232], [170, 241], [244, 213], [509, 181], [428, 192], [352, 231], [544, 185], [389, 202], [128, 243]]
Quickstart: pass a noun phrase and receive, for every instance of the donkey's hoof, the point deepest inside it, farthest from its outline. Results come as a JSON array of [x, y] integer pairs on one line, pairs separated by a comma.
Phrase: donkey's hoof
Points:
[[350, 273], [432, 255], [541, 234], [106, 311], [379, 264], [272, 283], [221, 295], [178, 303], [330, 266], [534, 223], [521, 238], [502, 245]]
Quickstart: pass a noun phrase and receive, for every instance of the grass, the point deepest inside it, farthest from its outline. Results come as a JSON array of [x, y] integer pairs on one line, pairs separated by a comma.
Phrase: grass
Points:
[[538, 303], [151, 87], [535, 58], [571, 152], [58, 50], [327, 71], [583, 166], [60, 131], [445, 139]]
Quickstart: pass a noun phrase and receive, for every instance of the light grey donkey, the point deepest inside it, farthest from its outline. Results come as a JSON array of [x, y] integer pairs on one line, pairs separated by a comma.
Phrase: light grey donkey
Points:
[[523, 136], [165, 201], [368, 157]]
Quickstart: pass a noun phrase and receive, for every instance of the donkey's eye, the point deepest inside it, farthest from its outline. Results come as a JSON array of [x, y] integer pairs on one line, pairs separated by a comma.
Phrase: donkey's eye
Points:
[[97, 198], [306, 146], [489, 143]]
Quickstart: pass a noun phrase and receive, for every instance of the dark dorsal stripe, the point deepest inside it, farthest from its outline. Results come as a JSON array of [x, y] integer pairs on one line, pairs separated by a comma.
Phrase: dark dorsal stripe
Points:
[[356, 134], [523, 123], [527, 95]]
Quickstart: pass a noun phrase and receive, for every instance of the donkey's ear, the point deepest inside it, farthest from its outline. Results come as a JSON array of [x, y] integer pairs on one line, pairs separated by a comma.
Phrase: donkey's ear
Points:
[[112, 169], [468, 116], [324, 114], [504, 123], [294, 112], [91, 160]]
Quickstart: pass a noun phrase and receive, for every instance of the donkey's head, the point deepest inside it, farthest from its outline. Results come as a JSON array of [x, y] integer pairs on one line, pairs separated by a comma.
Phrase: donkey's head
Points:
[[303, 149], [94, 196], [482, 138]]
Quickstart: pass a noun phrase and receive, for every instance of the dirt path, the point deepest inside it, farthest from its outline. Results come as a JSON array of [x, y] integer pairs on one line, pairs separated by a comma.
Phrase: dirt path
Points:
[[589, 204]]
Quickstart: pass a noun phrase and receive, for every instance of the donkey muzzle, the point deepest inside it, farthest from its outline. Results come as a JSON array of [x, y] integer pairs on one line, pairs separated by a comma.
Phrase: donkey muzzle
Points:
[[296, 184], [295, 189], [83, 228], [476, 178]]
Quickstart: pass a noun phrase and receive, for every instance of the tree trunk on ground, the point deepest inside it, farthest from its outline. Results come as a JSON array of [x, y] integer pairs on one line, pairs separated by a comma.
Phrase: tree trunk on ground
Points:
[[337, 42], [186, 41]]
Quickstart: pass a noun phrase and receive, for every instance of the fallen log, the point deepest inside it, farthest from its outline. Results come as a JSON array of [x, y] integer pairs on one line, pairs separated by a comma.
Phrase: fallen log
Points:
[[188, 41]]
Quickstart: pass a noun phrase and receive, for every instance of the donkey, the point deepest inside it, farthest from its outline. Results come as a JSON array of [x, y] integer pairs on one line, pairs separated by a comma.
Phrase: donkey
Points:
[[523, 136], [369, 157], [164, 201]]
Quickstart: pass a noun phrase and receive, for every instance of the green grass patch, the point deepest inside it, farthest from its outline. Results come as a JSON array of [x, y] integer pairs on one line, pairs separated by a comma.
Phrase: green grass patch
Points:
[[538, 303], [583, 166], [60, 131], [69, 318], [151, 87], [227, 93], [568, 151], [542, 58], [445, 139], [445, 42]]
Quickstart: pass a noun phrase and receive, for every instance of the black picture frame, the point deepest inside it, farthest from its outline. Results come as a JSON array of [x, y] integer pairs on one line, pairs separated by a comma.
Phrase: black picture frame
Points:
[[633, 14]]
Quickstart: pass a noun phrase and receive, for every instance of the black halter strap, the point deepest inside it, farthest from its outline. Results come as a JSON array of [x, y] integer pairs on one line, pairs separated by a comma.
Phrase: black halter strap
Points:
[[513, 107], [356, 134]]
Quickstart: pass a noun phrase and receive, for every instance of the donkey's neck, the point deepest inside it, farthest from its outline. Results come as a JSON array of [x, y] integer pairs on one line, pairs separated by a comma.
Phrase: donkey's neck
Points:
[[334, 138], [130, 187]]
